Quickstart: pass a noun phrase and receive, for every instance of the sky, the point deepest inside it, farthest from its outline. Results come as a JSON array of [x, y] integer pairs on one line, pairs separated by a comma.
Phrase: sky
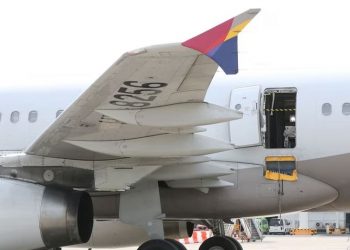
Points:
[[72, 42]]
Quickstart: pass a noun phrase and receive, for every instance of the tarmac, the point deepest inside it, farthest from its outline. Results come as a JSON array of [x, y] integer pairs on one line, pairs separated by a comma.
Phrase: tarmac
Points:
[[316, 242]]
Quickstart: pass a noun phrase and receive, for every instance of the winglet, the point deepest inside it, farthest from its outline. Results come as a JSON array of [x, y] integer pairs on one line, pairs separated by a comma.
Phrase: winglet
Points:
[[220, 42]]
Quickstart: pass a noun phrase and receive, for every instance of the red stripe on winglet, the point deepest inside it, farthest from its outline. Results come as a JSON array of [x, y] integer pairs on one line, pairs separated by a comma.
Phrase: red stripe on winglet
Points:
[[209, 39]]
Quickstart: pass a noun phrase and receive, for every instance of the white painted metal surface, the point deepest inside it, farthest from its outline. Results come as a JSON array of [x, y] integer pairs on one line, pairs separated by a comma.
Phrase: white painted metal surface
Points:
[[191, 171], [19, 216], [144, 196], [168, 145], [246, 131], [120, 179], [176, 115]]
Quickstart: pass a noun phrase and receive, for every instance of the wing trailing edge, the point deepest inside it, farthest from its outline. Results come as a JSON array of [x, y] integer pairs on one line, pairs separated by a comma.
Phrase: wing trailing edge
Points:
[[220, 42]]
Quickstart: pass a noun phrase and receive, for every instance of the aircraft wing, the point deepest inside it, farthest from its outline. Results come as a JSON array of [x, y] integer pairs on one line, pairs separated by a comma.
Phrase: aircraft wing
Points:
[[149, 103]]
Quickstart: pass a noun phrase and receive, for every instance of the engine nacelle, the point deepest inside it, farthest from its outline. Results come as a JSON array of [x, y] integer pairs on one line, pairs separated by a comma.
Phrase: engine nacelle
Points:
[[34, 216], [178, 229]]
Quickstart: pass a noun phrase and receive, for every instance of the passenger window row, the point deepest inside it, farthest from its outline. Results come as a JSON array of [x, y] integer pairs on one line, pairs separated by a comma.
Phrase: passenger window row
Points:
[[32, 116], [327, 109]]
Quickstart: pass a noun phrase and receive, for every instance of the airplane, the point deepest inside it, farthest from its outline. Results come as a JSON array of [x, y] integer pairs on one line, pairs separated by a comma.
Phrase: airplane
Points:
[[164, 140]]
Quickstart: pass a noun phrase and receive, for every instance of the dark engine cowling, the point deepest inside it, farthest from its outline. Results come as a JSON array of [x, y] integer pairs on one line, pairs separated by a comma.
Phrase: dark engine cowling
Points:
[[34, 216]]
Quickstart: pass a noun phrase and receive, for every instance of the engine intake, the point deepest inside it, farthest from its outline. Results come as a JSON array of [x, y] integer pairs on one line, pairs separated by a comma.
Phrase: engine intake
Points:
[[66, 217], [44, 217]]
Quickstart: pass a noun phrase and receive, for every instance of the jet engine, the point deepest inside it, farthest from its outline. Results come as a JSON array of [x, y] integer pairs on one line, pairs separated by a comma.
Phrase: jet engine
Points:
[[37, 217]]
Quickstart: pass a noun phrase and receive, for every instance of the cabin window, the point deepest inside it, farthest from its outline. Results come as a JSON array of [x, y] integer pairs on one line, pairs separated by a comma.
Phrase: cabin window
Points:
[[59, 112], [238, 107], [33, 116], [14, 118], [326, 109], [280, 116], [346, 109]]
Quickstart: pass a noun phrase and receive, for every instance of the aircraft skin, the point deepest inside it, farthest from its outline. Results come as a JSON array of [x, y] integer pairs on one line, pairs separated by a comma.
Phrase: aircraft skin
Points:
[[321, 153]]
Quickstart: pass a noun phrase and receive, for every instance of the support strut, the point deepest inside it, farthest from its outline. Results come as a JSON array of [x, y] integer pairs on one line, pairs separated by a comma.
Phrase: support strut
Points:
[[141, 207]]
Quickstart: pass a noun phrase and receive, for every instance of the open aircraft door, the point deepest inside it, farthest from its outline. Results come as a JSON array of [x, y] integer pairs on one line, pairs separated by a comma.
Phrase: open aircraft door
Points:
[[245, 132]]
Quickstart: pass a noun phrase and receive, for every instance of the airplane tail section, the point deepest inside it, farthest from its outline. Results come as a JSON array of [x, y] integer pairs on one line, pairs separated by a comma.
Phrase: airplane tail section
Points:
[[220, 42]]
